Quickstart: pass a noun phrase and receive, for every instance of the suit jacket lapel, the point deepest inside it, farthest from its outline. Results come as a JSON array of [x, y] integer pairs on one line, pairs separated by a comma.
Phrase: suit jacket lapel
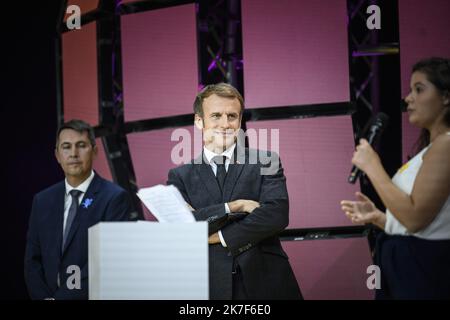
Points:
[[84, 210], [59, 218], [207, 176]]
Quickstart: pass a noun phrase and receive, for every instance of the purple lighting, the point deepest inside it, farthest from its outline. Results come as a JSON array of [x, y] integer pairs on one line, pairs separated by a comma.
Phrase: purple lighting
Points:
[[212, 65], [367, 54]]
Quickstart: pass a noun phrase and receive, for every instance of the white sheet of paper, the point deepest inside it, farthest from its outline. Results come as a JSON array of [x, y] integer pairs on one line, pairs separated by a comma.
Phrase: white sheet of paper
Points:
[[166, 203]]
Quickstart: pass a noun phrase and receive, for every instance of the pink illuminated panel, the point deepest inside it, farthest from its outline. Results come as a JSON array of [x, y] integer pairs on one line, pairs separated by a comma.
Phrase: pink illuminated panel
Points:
[[331, 269], [423, 33], [80, 89], [316, 155], [159, 56], [151, 154], [295, 52]]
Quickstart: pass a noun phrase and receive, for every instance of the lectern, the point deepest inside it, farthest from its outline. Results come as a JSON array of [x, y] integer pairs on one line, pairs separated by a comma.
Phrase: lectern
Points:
[[148, 260]]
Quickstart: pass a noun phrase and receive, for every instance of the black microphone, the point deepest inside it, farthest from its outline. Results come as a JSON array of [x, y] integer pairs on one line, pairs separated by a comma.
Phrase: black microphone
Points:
[[378, 124]]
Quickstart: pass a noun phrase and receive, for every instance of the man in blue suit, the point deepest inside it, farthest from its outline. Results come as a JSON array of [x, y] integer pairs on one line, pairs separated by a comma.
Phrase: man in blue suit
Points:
[[56, 257], [242, 194]]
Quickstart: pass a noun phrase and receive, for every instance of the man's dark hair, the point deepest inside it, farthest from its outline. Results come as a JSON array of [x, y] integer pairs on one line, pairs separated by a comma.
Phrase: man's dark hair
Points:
[[79, 126], [223, 90]]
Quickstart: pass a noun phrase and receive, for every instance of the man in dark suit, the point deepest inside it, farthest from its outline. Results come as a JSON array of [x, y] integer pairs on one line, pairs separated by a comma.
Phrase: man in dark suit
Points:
[[243, 197], [56, 257]]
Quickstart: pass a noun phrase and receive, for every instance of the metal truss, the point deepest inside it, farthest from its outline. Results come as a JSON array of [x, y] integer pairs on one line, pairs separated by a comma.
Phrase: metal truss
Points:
[[220, 42], [365, 48]]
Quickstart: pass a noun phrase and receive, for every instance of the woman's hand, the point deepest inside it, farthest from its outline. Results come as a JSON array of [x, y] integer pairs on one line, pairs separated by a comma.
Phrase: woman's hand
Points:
[[365, 158], [363, 211]]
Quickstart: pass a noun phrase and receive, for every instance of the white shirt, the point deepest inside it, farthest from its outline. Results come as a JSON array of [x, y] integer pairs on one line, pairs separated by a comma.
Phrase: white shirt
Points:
[[439, 228], [209, 155], [68, 198]]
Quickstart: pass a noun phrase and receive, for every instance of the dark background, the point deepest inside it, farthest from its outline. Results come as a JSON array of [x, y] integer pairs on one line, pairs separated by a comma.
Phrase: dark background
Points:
[[28, 114]]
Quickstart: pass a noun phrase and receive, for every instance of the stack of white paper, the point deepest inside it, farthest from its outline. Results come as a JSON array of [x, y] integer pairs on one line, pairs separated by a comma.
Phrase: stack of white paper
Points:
[[166, 203]]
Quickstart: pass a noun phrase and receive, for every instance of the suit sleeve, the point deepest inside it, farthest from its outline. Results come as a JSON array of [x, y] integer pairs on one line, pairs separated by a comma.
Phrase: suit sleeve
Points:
[[268, 220], [215, 215], [34, 271], [119, 207]]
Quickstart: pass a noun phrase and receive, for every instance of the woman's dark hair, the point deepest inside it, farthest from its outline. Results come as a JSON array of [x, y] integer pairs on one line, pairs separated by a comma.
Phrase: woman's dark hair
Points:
[[437, 71]]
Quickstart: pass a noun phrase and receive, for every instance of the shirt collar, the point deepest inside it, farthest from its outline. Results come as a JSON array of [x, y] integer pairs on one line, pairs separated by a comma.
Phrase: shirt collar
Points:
[[82, 187], [227, 153]]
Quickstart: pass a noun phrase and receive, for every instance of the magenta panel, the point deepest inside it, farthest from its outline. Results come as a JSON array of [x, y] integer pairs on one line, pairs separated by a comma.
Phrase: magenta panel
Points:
[[316, 155], [295, 52], [331, 269], [80, 89], [159, 57], [424, 32], [151, 154], [101, 165]]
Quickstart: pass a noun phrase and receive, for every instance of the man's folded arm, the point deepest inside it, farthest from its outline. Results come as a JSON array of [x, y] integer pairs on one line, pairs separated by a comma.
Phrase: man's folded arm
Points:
[[215, 215], [269, 219]]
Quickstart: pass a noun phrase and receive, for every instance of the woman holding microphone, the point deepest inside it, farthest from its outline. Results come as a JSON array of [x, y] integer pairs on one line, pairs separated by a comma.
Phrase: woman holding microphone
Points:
[[413, 253]]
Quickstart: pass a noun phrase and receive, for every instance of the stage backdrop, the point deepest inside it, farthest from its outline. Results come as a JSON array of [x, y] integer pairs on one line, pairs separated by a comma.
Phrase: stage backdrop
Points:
[[80, 84], [296, 53], [297, 56], [159, 58], [151, 155], [315, 154]]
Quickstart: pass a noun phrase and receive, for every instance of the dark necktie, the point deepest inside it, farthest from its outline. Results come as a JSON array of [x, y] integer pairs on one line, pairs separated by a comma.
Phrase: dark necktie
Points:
[[71, 215], [221, 172]]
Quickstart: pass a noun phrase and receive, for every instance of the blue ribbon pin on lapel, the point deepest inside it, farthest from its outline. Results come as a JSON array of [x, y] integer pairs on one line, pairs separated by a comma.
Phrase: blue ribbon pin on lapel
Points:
[[87, 202]]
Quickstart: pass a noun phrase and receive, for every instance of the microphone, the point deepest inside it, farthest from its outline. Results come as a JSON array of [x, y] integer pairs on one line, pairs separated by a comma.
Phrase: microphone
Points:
[[378, 124]]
